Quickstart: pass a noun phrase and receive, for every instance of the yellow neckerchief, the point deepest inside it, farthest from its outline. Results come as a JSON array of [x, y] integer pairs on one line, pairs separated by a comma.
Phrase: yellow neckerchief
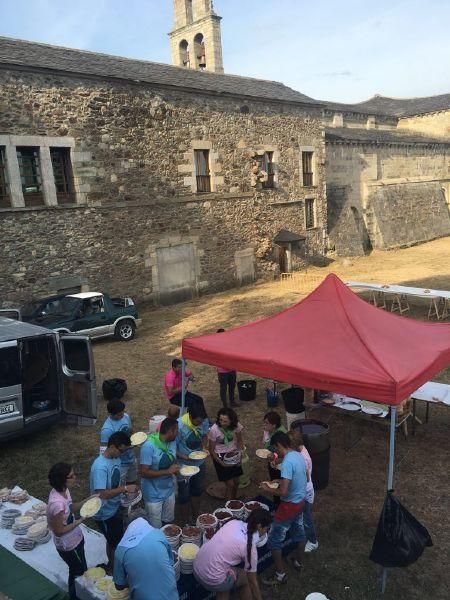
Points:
[[186, 420]]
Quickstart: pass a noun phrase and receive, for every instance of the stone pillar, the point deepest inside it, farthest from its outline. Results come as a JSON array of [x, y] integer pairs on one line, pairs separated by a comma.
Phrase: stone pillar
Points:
[[13, 171], [48, 181]]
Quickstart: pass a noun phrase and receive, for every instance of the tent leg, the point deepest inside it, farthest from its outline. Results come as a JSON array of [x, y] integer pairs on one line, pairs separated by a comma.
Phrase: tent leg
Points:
[[183, 385], [390, 476]]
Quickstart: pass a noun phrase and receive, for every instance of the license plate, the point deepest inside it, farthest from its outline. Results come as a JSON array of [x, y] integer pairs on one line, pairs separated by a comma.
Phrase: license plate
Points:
[[7, 408]]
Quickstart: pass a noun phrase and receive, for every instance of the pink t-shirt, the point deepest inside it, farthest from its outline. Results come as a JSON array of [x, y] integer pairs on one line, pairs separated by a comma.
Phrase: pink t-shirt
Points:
[[309, 486], [224, 370], [58, 503], [215, 435], [173, 380], [226, 549]]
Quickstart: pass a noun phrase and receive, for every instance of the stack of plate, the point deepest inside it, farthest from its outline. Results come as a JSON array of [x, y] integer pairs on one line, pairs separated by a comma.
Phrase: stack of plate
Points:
[[23, 543], [39, 533], [222, 515], [237, 508], [102, 585], [191, 535], [37, 510], [18, 497], [4, 494], [22, 524], [176, 566], [187, 554], [114, 594], [254, 505], [207, 521], [9, 516], [129, 500], [173, 534]]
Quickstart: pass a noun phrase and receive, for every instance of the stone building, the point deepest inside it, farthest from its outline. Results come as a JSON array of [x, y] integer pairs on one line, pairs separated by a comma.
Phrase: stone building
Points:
[[150, 180], [387, 172]]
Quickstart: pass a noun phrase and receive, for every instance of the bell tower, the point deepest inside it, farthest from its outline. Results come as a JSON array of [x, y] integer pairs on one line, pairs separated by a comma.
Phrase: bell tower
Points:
[[195, 40]]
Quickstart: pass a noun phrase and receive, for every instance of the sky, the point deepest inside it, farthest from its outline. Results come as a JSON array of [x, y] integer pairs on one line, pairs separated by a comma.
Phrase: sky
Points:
[[345, 50]]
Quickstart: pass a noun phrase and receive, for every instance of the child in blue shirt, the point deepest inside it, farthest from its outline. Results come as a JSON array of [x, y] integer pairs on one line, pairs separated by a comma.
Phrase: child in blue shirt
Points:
[[119, 420]]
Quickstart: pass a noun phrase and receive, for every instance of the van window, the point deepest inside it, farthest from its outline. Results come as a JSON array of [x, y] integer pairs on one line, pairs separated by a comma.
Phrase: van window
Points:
[[9, 366], [76, 355]]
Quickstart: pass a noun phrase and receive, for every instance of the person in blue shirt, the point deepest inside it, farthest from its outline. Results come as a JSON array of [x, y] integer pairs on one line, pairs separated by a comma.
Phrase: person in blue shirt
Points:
[[289, 514], [144, 563], [193, 430], [119, 420], [105, 481], [157, 468]]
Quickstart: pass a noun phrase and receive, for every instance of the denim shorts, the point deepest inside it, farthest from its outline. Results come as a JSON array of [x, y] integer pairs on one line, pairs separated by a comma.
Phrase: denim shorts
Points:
[[194, 486], [279, 529], [226, 585]]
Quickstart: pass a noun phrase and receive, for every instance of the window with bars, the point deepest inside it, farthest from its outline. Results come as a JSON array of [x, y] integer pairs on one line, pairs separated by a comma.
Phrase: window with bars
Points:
[[63, 175], [202, 171], [307, 168], [5, 201], [267, 165], [310, 213], [30, 175]]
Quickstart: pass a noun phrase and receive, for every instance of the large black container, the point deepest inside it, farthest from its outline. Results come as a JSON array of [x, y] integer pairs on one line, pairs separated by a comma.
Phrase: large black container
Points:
[[246, 389], [293, 398], [316, 437], [114, 388]]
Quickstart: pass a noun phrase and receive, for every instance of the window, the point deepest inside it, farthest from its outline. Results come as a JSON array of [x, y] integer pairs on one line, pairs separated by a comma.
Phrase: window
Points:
[[202, 171], [307, 168], [267, 165], [9, 366], [63, 175], [4, 195], [76, 355], [30, 175], [199, 49], [310, 213]]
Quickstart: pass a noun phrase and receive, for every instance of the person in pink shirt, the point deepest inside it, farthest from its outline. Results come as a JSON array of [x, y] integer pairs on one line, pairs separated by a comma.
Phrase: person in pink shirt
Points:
[[216, 563], [227, 381], [173, 384]]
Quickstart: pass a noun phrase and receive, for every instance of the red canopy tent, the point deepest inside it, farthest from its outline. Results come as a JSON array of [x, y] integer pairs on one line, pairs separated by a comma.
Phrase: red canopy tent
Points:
[[333, 340]]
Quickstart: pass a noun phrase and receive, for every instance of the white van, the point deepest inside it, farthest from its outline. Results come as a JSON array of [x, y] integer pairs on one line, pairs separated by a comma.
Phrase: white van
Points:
[[43, 376]]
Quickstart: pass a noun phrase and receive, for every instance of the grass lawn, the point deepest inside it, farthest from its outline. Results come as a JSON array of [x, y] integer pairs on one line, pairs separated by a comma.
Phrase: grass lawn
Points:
[[347, 512]]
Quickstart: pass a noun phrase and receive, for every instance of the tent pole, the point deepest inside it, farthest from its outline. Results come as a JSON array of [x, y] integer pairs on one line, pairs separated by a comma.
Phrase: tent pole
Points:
[[390, 483], [183, 385]]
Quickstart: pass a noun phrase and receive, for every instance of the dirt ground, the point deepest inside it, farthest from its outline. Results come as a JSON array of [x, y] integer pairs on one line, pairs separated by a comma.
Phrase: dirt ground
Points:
[[347, 512]]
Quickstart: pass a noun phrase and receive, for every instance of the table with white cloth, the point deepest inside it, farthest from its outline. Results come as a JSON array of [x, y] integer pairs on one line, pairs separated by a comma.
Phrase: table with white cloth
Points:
[[431, 392], [439, 300], [44, 558]]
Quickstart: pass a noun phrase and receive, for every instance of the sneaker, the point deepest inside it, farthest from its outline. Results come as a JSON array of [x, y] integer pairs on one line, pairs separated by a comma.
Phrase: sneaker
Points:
[[274, 579], [295, 564], [310, 547]]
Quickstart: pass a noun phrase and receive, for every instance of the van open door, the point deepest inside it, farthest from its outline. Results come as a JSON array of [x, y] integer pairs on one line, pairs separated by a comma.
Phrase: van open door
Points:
[[79, 387]]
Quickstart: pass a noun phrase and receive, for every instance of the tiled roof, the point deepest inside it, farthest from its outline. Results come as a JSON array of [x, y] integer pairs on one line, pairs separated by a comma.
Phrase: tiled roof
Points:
[[379, 136], [395, 107], [43, 56]]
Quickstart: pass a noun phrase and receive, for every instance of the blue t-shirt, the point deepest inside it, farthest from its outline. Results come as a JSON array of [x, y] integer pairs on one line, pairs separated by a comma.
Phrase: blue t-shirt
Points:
[[156, 489], [293, 468], [147, 568], [188, 441], [110, 426], [105, 475]]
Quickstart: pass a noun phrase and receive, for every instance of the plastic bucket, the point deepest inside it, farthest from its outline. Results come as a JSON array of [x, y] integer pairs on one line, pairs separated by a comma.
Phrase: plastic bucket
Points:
[[292, 417], [247, 389], [272, 398], [155, 422], [316, 436], [293, 398]]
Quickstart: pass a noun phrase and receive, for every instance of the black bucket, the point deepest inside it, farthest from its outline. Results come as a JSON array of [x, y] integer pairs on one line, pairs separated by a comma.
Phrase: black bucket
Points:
[[293, 398], [316, 436], [114, 388], [247, 389]]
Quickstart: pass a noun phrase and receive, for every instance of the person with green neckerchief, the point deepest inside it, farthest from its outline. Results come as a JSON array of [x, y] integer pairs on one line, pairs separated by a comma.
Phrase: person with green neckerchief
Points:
[[225, 436], [157, 468]]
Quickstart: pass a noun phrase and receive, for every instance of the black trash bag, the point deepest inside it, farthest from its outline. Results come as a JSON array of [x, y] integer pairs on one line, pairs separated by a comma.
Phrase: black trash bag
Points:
[[400, 538], [114, 388]]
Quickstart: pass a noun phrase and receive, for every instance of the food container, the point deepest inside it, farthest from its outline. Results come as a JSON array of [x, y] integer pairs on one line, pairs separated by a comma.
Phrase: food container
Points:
[[176, 565], [223, 515], [173, 534], [155, 422], [191, 535], [207, 521], [115, 594], [187, 554], [254, 505], [232, 458], [237, 508]]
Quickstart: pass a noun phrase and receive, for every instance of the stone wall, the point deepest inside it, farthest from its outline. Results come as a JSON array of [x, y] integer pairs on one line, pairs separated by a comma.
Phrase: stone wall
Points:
[[132, 158], [433, 124], [355, 172]]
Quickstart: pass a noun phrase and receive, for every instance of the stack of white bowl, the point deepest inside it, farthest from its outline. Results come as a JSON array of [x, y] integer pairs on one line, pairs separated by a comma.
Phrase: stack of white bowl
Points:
[[22, 524], [238, 513], [254, 504], [39, 533], [9, 515], [191, 535], [176, 565], [187, 554], [174, 540], [222, 522], [207, 521]]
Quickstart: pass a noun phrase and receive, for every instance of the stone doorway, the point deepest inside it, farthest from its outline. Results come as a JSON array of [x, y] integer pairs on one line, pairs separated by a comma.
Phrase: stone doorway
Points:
[[177, 276]]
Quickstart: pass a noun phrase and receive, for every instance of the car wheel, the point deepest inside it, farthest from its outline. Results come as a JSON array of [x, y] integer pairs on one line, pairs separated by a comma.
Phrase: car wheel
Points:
[[125, 330]]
